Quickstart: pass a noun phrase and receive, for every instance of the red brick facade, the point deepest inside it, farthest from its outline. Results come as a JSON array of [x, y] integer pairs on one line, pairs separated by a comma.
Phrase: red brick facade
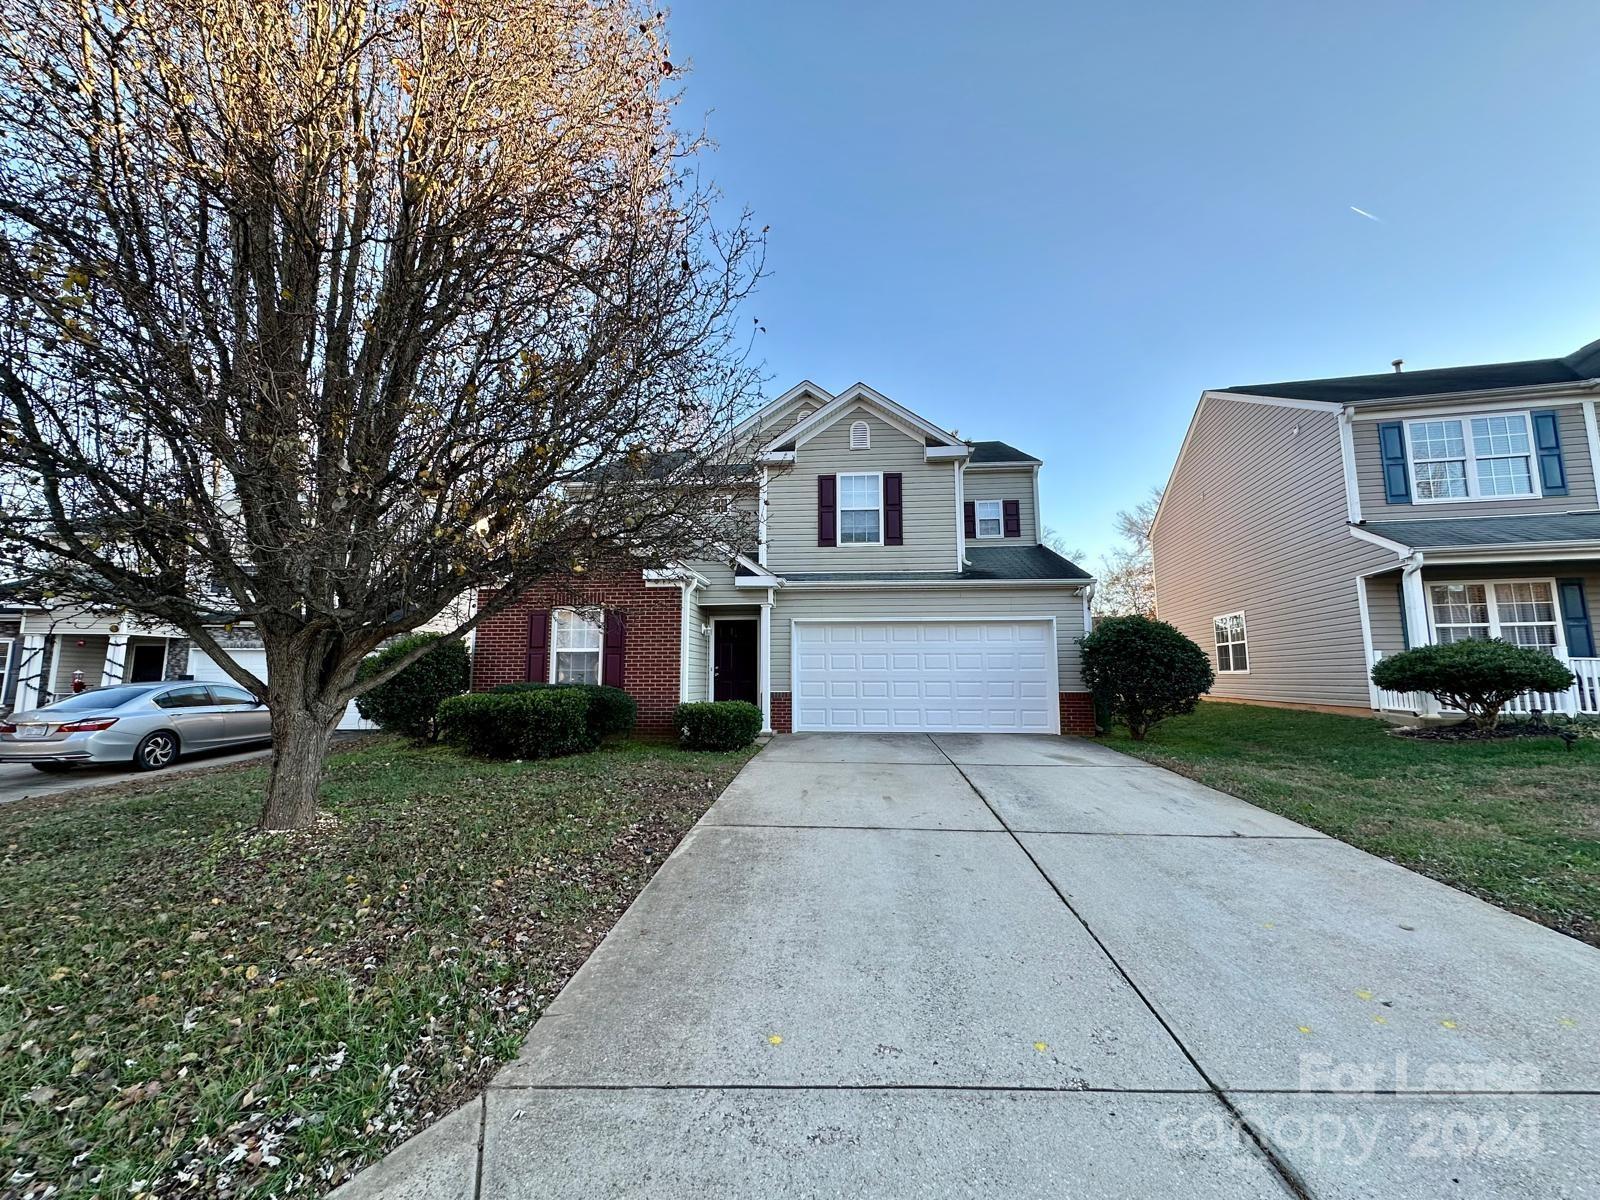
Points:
[[1077, 713], [654, 617], [782, 713]]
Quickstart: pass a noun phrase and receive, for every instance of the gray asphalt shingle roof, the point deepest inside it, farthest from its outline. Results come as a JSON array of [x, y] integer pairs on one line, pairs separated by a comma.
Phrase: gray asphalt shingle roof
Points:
[[1021, 563], [997, 452], [1490, 531], [1577, 367]]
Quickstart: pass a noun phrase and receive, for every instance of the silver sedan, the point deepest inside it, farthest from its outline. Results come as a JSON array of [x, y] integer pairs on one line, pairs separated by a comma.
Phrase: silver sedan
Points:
[[146, 724]]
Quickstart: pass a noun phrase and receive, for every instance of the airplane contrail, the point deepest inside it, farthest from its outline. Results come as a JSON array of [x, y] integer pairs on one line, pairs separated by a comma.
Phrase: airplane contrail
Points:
[[1361, 212]]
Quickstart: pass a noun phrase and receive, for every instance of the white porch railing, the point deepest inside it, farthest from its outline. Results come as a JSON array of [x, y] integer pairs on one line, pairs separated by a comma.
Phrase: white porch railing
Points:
[[1583, 697]]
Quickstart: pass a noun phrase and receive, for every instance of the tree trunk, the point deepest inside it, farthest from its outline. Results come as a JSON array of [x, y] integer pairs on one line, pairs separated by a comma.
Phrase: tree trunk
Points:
[[301, 732]]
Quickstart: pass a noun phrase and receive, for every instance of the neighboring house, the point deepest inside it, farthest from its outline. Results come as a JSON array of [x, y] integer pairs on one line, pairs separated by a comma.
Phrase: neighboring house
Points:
[[896, 582], [1312, 527], [43, 650]]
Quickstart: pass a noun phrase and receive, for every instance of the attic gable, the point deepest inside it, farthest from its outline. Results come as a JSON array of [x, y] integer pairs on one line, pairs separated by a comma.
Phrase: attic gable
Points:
[[936, 442]]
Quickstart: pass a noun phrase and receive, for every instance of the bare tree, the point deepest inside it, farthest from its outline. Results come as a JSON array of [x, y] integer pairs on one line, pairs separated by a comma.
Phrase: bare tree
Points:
[[1127, 584], [320, 315]]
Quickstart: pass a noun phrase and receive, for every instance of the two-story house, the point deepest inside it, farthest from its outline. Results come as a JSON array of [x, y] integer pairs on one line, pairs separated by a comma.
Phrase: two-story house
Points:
[[897, 582], [1313, 526]]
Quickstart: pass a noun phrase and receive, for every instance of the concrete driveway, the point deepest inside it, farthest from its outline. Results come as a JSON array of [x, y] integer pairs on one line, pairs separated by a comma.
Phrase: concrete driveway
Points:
[[917, 966]]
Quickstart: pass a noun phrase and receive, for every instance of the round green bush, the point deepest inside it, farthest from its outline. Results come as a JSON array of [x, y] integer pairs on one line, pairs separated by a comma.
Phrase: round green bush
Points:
[[1142, 671], [717, 725], [611, 710], [545, 723], [1477, 677], [409, 702]]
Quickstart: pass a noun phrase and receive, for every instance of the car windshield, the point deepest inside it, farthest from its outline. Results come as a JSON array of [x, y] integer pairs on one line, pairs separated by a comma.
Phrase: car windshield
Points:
[[111, 697]]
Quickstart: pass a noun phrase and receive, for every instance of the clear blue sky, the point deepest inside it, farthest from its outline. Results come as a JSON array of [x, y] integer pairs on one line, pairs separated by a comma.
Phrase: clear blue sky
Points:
[[1056, 223]]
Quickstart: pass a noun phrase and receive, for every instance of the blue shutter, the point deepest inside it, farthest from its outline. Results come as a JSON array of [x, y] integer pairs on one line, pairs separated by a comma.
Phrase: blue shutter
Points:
[[1575, 617], [1396, 476], [1547, 446], [1405, 633]]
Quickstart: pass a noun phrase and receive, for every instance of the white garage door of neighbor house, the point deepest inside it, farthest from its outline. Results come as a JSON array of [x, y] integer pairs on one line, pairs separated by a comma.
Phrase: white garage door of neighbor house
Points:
[[204, 668], [925, 676]]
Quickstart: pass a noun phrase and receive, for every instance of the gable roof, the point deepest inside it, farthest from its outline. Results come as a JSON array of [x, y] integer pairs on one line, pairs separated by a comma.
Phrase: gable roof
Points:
[[860, 393], [1581, 366], [987, 453]]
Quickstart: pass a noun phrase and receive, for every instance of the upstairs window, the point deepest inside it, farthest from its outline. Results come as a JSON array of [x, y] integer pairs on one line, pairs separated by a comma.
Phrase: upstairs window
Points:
[[575, 646], [1233, 657], [1469, 458], [860, 510], [860, 436], [991, 519]]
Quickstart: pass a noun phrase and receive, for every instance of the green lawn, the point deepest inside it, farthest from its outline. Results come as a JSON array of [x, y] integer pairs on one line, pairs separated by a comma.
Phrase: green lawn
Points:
[[1514, 821], [188, 1008]]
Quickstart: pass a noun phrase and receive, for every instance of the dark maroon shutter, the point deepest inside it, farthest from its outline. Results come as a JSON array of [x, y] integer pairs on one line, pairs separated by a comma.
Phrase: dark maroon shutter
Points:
[[970, 515], [616, 643], [539, 645], [893, 511], [827, 510], [1013, 514]]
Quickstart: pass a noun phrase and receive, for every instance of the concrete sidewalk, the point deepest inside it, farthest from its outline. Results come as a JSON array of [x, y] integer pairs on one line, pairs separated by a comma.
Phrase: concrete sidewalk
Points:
[[1002, 965]]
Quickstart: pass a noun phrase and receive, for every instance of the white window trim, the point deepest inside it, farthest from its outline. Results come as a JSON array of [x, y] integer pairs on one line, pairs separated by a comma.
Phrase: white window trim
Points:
[[978, 518], [1494, 608], [1244, 641], [838, 507], [866, 435], [1474, 495], [594, 615]]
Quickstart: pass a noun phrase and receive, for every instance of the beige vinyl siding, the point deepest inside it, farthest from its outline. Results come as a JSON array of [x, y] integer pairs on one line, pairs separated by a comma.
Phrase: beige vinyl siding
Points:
[[928, 498], [696, 650], [721, 589], [1255, 521], [1574, 456], [980, 484], [913, 604], [90, 658], [1383, 593]]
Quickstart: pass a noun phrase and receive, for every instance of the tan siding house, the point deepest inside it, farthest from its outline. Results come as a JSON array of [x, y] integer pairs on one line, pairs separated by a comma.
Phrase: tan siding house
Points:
[[1312, 526], [877, 596]]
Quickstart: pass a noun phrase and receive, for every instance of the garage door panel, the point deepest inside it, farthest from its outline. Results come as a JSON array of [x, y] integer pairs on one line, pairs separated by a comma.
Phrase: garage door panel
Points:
[[982, 676]]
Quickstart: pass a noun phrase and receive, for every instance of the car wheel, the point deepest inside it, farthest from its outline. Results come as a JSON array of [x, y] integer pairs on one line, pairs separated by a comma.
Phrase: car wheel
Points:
[[157, 750], [52, 768]]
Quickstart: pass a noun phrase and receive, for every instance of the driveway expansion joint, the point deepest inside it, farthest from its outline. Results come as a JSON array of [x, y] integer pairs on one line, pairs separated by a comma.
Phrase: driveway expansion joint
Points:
[[1287, 1175]]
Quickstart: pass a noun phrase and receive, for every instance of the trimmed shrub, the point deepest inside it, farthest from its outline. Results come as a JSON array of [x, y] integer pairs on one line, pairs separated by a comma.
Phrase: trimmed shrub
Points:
[[611, 710], [1476, 677], [525, 724], [1142, 671], [717, 725], [409, 702]]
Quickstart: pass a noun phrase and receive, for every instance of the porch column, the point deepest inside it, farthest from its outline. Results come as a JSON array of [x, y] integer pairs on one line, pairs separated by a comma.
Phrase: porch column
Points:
[[764, 663], [1416, 604], [30, 671], [115, 669]]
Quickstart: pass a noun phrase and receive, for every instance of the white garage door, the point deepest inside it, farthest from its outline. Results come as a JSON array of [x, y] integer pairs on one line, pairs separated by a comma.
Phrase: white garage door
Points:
[[925, 676], [204, 668]]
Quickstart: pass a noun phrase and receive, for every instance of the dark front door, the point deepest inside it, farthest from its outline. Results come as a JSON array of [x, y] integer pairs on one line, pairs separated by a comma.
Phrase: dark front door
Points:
[[149, 663], [733, 661]]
